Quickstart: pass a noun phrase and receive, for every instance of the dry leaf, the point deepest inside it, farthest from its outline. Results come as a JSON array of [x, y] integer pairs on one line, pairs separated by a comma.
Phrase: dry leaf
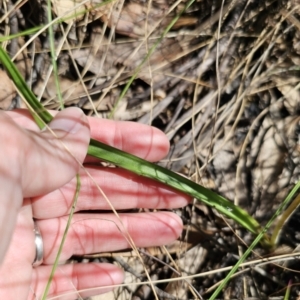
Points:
[[69, 89], [122, 54], [66, 9], [136, 20]]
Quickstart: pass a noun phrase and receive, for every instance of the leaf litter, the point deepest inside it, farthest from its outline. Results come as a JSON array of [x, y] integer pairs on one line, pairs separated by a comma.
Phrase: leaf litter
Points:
[[251, 156]]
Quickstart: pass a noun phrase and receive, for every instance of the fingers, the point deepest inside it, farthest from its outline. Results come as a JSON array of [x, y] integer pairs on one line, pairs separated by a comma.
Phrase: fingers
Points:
[[138, 139], [141, 140], [76, 281], [104, 233], [123, 189]]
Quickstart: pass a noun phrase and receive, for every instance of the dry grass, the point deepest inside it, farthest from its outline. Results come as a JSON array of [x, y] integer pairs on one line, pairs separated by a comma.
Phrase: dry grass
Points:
[[224, 87]]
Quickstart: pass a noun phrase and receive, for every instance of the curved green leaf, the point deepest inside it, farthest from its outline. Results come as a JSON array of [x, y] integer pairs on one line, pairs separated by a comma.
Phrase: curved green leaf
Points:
[[138, 165]]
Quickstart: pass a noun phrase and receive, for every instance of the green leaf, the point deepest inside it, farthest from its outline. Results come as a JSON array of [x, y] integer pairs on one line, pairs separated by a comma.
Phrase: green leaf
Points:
[[138, 165]]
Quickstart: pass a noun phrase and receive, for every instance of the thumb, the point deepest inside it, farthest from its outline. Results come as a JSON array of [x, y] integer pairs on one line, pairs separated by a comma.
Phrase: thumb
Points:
[[54, 156]]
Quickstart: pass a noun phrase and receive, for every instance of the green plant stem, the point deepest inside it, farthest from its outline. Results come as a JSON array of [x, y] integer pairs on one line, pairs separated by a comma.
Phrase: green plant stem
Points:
[[138, 165], [22, 33], [144, 168], [256, 241], [55, 264], [150, 52], [288, 291], [286, 214], [53, 55]]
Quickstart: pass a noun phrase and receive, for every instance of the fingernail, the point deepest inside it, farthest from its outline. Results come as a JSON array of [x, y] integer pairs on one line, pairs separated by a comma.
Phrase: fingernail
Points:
[[68, 120]]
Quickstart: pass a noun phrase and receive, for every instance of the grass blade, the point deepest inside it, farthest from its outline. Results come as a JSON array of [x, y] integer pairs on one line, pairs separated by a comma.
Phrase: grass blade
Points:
[[150, 52], [55, 264], [140, 166], [40, 112], [255, 242], [144, 168]]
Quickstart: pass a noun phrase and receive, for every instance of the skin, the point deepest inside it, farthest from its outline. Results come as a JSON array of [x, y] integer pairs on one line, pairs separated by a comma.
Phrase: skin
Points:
[[37, 180]]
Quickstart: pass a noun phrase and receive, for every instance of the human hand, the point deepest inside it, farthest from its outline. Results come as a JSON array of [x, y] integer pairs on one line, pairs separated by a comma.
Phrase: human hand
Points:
[[37, 180]]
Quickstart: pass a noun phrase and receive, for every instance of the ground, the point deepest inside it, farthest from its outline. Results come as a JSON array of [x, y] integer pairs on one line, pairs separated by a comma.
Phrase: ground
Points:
[[222, 83]]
